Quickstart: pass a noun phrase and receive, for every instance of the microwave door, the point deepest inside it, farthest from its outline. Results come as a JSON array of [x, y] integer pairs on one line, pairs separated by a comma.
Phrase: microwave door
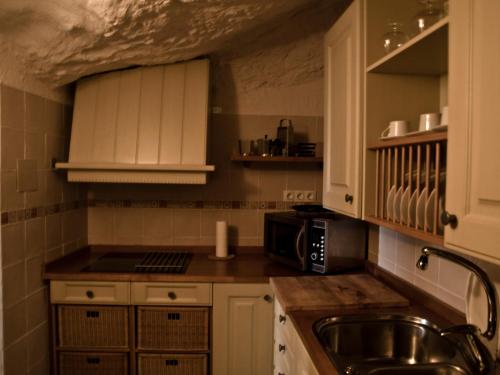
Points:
[[299, 246]]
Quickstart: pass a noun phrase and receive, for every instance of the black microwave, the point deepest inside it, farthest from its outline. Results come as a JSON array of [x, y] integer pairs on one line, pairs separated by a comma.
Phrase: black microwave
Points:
[[323, 242]]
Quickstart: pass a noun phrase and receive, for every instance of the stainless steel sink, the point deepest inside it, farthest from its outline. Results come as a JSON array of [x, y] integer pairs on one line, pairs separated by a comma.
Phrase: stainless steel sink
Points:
[[389, 345]]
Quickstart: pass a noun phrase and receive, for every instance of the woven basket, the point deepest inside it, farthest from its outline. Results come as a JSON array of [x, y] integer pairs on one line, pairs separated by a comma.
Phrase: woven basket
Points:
[[93, 363], [93, 326], [171, 364], [173, 328]]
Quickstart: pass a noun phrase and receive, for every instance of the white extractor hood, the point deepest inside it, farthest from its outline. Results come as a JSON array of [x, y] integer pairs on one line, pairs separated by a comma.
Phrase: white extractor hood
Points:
[[144, 125]]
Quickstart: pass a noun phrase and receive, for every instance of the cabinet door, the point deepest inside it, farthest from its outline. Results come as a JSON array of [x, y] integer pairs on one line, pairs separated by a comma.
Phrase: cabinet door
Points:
[[242, 329], [473, 182], [343, 114]]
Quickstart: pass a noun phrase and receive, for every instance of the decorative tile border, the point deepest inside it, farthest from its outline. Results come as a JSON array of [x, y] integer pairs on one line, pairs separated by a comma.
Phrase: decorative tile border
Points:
[[252, 205], [11, 217]]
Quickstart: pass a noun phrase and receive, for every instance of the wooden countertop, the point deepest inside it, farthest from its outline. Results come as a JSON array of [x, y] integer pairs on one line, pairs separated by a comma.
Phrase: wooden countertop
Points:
[[330, 292], [254, 267]]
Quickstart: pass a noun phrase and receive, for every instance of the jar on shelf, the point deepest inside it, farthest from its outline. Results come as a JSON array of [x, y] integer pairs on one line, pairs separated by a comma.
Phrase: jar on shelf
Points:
[[431, 12], [395, 37]]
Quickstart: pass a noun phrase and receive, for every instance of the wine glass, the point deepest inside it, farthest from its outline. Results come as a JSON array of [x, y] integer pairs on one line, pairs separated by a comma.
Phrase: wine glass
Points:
[[395, 37], [431, 12]]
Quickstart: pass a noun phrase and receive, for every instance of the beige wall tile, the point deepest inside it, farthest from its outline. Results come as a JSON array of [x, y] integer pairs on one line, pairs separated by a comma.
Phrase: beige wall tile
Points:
[[100, 225], [53, 187], [53, 231], [11, 199], [13, 248], [244, 184], [12, 147], [158, 223], [37, 198], [298, 179], [187, 223], [38, 307], [245, 221], [53, 254], [35, 148], [53, 120], [12, 114], [186, 241], [208, 220], [40, 368], [38, 348], [35, 236], [34, 112], [14, 284], [34, 274], [272, 183], [70, 225], [55, 149], [452, 277], [16, 358], [405, 253], [14, 322], [128, 226]]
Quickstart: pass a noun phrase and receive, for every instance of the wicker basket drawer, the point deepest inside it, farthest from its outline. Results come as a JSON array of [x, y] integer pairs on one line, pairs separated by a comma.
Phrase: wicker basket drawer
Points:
[[196, 294], [93, 363], [93, 326], [172, 364], [90, 292], [173, 328]]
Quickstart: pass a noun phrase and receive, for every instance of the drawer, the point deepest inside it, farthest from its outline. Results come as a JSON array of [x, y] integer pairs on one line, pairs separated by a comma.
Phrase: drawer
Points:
[[173, 328], [199, 294], [90, 292], [93, 326], [172, 364], [93, 363], [282, 323]]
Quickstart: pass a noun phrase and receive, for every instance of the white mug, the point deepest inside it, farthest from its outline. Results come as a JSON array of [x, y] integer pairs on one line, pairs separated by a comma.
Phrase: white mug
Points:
[[395, 129], [428, 121], [444, 116]]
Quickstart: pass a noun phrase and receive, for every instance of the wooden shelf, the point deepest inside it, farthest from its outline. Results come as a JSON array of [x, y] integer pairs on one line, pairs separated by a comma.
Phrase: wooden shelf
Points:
[[277, 159], [408, 231], [409, 140], [424, 54]]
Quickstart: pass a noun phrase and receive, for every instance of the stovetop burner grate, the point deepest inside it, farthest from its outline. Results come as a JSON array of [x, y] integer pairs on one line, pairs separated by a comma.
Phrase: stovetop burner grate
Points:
[[164, 262]]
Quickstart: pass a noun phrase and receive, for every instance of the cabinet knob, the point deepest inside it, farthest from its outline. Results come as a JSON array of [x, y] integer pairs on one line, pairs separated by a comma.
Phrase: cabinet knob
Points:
[[349, 198], [89, 294], [449, 219], [268, 298], [281, 348], [172, 295], [282, 319], [281, 373]]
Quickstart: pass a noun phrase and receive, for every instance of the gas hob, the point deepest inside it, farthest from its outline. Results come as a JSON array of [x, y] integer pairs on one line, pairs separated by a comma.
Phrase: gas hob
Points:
[[151, 262]]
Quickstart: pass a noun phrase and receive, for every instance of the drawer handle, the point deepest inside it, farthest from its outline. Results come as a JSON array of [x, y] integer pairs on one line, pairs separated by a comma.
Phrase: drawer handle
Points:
[[172, 295], [281, 373], [93, 360], [282, 319], [268, 298], [171, 362], [92, 314], [89, 294], [348, 198], [281, 348]]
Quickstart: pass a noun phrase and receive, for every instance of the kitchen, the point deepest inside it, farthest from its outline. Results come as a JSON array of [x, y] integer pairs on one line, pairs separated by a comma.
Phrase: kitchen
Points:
[[266, 65]]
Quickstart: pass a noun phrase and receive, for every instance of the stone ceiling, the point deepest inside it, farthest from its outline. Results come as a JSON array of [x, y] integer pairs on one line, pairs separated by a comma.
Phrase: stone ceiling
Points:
[[59, 41]]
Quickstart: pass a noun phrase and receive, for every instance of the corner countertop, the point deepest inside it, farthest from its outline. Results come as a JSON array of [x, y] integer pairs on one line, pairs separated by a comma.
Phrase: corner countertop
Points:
[[306, 300], [252, 267]]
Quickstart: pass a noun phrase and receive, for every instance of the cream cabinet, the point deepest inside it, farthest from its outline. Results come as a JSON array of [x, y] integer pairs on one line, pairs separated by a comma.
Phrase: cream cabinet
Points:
[[473, 182], [343, 113], [290, 355], [242, 329]]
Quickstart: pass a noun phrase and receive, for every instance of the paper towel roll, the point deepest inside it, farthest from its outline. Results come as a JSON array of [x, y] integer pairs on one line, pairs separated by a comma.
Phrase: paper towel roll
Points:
[[221, 239]]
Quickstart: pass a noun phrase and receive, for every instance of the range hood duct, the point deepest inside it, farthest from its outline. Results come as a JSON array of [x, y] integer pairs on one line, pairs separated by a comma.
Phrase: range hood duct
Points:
[[144, 125]]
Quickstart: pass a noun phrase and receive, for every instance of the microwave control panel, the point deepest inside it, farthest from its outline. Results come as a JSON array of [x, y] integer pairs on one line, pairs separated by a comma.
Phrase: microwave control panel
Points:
[[317, 243]]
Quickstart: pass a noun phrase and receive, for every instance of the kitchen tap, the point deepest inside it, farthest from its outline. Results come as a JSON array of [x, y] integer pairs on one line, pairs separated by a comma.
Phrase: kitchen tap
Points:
[[481, 346]]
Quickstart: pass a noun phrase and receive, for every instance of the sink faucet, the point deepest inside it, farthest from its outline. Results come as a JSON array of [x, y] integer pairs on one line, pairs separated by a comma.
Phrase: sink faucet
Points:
[[475, 340]]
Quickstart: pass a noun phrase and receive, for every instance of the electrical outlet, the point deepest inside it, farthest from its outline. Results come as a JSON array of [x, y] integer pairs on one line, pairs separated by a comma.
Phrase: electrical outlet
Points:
[[300, 196], [310, 195], [289, 195]]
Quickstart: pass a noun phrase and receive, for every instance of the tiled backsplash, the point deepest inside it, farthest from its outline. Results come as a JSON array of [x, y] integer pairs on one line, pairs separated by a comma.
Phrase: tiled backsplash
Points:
[[37, 226], [186, 214]]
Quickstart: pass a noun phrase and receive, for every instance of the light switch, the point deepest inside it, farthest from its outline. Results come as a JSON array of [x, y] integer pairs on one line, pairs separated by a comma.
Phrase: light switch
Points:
[[27, 175]]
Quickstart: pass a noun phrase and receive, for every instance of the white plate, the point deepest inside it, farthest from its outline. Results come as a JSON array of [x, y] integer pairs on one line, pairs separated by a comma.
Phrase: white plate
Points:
[[421, 208], [390, 203], [397, 204], [412, 208], [438, 128], [429, 210], [405, 200]]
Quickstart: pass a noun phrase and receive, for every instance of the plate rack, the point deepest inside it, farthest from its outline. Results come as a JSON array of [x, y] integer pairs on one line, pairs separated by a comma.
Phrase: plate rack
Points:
[[409, 191]]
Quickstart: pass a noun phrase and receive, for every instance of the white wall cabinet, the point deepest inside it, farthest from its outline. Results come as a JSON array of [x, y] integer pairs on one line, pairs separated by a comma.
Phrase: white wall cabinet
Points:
[[473, 181], [343, 113], [242, 329]]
